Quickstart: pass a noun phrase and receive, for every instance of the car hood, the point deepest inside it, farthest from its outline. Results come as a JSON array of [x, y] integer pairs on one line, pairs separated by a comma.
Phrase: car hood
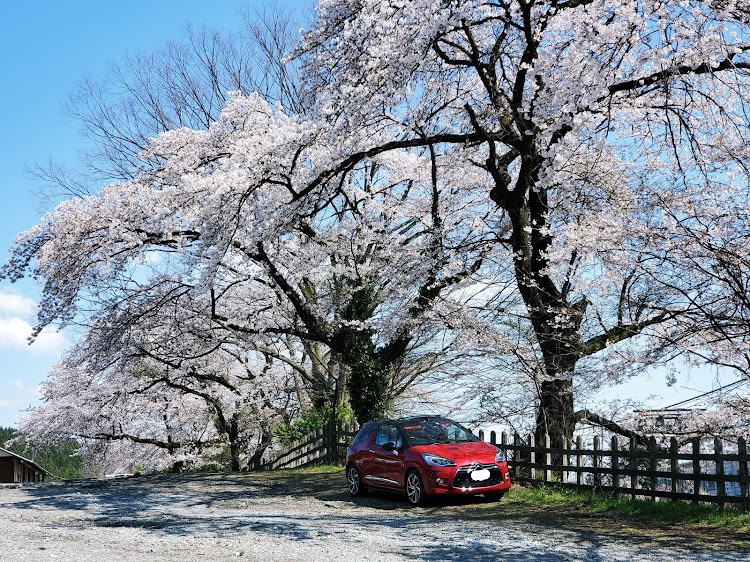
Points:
[[469, 451]]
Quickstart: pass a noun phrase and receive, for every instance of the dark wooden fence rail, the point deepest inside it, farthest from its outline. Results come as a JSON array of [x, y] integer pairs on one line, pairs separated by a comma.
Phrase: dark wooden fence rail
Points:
[[324, 446], [675, 473]]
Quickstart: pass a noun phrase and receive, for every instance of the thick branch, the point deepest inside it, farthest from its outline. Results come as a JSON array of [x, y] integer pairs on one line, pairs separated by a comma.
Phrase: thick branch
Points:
[[314, 324], [619, 333], [169, 445], [614, 427], [705, 68], [352, 160]]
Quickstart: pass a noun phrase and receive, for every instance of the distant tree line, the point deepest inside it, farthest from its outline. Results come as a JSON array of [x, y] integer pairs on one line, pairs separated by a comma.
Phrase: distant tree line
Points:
[[60, 461]]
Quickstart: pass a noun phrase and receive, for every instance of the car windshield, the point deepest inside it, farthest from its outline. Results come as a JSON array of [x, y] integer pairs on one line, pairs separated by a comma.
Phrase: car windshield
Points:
[[431, 431]]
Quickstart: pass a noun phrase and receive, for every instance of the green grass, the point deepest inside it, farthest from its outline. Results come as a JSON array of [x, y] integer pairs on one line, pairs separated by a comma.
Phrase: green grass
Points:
[[702, 515], [317, 469], [645, 510]]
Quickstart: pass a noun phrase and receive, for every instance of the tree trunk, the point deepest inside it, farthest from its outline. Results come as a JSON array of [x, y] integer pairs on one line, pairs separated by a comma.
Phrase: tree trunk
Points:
[[368, 386], [234, 444], [555, 416], [555, 320], [234, 456], [255, 461], [368, 377], [559, 346]]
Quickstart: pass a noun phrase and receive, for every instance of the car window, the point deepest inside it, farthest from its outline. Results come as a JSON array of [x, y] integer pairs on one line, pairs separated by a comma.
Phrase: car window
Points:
[[388, 433], [436, 430], [365, 432]]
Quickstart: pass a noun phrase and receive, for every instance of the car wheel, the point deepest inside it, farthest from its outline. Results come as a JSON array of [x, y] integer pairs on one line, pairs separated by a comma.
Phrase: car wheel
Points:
[[494, 496], [414, 488], [354, 481]]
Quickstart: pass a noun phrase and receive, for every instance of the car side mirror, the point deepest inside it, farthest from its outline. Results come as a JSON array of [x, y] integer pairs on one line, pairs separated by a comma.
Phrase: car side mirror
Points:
[[390, 446]]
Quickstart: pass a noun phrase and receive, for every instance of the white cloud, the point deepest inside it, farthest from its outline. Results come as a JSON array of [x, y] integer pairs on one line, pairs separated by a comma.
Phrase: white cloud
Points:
[[13, 304], [15, 332]]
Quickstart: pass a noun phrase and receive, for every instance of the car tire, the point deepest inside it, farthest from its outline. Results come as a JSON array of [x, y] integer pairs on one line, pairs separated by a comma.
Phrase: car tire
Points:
[[354, 481], [494, 496], [415, 492]]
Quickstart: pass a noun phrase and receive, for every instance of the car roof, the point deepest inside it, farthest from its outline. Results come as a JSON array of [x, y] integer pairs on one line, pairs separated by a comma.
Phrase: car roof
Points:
[[420, 418], [410, 419]]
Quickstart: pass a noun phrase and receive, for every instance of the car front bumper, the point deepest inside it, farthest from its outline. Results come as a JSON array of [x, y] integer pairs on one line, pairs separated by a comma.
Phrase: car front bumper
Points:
[[458, 480]]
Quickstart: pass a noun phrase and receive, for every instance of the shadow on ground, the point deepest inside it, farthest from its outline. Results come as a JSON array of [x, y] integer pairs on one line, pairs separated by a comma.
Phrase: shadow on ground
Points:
[[314, 505]]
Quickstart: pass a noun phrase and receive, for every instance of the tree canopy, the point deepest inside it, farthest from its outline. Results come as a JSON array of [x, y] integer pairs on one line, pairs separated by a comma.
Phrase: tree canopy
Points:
[[573, 170]]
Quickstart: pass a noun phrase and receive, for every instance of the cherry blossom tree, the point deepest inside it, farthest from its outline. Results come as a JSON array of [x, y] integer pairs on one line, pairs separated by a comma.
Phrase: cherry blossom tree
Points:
[[441, 145], [149, 372], [588, 119], [360, 273], [183, 83]]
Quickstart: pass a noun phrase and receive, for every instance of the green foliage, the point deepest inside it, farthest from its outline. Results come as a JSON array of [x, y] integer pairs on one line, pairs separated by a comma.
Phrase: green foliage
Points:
[[368, 377], [60, 461], [318, 419]]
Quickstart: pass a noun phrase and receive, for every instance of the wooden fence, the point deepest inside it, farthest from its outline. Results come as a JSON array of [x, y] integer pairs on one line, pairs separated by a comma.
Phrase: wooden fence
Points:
[[323, 446], [685, 472]]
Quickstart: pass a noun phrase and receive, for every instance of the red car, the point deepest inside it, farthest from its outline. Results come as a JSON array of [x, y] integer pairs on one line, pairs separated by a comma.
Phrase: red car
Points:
[[424, 456]]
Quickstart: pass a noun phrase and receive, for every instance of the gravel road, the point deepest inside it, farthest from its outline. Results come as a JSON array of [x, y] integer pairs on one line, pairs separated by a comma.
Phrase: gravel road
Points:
[[297, 516]]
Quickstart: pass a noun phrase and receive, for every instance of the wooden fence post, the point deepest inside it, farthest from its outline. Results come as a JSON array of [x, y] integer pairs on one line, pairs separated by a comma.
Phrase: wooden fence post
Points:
[[743, 472], [674, 467], [615, 465], [633, 468], [696, 469], [318, 446], [329, 442], [597, 462], [516, 454], [721, 488], [653, 481]]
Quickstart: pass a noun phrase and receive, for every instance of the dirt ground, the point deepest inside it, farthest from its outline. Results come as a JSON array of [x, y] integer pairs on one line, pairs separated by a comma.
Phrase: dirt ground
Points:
[[309, 515]]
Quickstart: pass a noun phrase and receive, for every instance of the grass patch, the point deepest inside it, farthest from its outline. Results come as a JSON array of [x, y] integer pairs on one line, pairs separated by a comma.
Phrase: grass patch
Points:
[[702, 514], [707, 515], [314, 469], [700, 526]]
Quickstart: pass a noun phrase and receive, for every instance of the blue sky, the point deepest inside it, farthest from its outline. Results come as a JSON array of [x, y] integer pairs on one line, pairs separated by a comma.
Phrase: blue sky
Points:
[[45, 48]]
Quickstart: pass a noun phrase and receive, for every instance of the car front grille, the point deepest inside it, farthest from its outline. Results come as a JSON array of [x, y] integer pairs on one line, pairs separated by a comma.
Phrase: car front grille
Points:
[[463, 478]]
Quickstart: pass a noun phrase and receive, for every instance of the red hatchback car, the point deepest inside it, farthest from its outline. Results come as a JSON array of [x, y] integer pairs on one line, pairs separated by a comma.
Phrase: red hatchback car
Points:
[[424, 456]]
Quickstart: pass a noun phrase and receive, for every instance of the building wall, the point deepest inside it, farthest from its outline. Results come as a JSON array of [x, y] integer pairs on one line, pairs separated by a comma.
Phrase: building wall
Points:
[[16, 470], [7, 471]]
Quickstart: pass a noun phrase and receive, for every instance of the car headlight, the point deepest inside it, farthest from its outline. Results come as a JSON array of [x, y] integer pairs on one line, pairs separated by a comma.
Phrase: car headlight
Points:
[[435, 460], [499, 456]]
